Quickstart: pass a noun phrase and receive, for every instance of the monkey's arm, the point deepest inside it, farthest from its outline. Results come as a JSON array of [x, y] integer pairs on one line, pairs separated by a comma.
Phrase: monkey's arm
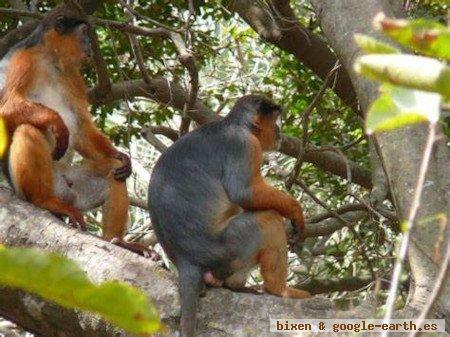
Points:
[[265, 196], [252, 191], [92, 144], [17, 109]]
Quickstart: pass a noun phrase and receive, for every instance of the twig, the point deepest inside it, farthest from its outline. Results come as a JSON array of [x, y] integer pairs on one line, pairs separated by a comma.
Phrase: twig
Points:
[[409, 224], [104, 82], [127, 28], [153, 140], [143, 17], [188, 61], [137, 202], [137, 51], [340, 211], [185, 123], [122, 26], [165, 131], [406, 6], [192, 91], [341, 219], [305, 121], [436, 289], [335, 148]]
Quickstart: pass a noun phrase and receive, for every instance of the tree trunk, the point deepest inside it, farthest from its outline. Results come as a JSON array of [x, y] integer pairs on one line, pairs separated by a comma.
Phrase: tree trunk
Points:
[[402, 152]]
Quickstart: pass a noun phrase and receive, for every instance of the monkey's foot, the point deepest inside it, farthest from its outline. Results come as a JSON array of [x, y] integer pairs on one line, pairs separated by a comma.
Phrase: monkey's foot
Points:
[[210, 280], [137, 248]]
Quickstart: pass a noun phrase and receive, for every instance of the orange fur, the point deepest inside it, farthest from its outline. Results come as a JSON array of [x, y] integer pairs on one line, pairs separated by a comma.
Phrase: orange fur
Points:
[[67, 51], [30, 159], [272, 256], [266, 134], [265, 197], [16, 109]]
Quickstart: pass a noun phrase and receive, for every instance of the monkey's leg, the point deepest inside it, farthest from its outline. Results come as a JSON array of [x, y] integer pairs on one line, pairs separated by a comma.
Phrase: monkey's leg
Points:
[[115, 209], [272, 256], [31, 171]]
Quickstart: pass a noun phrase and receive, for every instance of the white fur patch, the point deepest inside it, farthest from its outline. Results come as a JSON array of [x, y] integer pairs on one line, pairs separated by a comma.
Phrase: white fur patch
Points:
[[49, 92], [4, 62]]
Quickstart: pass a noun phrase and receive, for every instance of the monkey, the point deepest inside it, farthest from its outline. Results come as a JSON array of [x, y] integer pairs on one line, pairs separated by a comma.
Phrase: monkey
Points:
[[46, 112], [213, 212]]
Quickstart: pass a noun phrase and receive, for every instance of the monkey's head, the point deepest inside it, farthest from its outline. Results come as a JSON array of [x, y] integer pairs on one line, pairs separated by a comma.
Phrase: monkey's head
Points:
[[261, 116], [65, 36]]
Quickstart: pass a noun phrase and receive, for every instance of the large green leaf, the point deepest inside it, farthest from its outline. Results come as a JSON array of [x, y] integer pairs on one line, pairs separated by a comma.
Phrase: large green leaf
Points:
[[416, 72], [425, 36], [60, 280], [397, 107], [373, 46]]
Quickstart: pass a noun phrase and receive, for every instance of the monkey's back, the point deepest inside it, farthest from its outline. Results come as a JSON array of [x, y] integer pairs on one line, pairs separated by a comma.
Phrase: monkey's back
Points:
[[187, 198]]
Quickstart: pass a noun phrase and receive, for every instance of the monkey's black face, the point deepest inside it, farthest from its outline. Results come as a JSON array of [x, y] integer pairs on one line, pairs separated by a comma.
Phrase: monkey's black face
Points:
[[269, 116], [261, 116]]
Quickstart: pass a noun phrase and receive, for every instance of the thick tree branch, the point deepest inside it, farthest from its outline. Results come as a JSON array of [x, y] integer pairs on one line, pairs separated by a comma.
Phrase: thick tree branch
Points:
[[279, 26], [169, 93], [327, 160], [160, 90], [21, 224]]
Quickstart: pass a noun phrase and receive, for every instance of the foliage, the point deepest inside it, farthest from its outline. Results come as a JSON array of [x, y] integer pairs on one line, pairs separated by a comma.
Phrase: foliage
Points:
[[233, 60], [60, 280], [417, 83]]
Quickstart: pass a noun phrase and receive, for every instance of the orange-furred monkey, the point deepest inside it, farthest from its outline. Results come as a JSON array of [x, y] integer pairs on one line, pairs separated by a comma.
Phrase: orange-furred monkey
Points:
[[45, 108]]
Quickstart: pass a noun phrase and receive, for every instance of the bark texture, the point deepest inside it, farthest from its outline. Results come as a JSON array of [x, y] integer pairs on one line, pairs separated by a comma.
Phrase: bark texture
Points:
[[402, 152], [222, 312]]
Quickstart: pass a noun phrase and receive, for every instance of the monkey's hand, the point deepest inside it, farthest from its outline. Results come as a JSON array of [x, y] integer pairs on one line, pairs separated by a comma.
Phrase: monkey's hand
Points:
[[123, 172], [297, 217], [61, 134]]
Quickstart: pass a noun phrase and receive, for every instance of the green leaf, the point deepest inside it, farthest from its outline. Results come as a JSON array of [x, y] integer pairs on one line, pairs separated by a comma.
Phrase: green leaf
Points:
[[410, 71], [422, 35], [60, 280], [373, 46], [397, 107], [3, 138]]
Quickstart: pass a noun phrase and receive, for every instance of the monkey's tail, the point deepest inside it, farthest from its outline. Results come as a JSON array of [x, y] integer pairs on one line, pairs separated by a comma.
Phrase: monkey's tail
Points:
[[191, 283]]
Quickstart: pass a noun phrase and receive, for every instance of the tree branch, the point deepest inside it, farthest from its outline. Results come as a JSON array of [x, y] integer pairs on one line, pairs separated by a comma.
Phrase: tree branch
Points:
[[21, 224], [169, 93], [278, 25], [331, 225]]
